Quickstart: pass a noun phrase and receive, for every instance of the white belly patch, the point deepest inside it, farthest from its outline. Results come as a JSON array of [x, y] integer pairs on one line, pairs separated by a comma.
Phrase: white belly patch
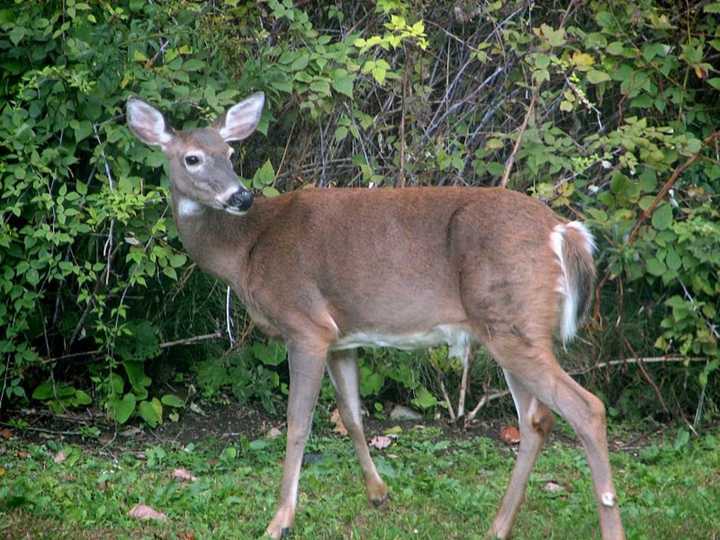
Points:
[[456, 338]]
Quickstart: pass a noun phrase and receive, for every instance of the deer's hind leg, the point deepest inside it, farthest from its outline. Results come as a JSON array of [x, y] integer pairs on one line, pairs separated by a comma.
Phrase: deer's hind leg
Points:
[[533, 364], [536, 422]]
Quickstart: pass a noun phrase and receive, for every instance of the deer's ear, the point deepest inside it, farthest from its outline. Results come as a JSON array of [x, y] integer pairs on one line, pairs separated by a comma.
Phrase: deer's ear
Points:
[[147, 123], [240, 120]]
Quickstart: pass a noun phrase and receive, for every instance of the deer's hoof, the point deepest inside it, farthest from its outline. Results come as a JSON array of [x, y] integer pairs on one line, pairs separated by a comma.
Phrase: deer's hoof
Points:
[[380, 501]]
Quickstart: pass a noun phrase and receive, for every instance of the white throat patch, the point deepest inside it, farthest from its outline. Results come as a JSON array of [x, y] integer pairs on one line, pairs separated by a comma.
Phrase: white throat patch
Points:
[[188, 207]]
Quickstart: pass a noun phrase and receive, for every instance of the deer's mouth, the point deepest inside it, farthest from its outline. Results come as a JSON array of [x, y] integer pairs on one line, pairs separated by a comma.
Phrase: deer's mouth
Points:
[[235, 211]]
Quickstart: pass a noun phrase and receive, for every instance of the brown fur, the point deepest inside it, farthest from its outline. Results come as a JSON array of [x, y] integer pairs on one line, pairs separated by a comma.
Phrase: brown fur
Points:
[[376, 259]]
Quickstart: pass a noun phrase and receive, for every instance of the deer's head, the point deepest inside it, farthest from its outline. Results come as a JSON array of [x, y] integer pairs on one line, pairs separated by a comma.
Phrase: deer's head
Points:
[[200, 168]]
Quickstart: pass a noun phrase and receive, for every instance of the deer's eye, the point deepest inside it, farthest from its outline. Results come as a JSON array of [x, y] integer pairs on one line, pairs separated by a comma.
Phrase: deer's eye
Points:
[[192, 160]]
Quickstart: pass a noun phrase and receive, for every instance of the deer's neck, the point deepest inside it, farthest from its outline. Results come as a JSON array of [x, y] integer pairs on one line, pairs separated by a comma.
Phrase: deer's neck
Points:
[[217, 241]]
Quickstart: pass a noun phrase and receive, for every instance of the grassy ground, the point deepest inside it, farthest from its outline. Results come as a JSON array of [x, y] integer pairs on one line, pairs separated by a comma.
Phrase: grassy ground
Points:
[[442, 487]]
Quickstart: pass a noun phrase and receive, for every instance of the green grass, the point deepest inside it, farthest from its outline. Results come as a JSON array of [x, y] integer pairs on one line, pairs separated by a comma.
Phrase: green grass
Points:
[[440, 488]]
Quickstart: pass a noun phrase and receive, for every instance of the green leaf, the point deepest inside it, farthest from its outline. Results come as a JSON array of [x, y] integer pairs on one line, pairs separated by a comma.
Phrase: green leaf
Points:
[[272, 354], [258, 444], [81, 398], [673, 260], [495, 168], [193, 65], [171, 400], [662, 217], [342, 82], [616, 48], [149, 413], [300, 63], [136, 374], [651, 50], [121, 409], [82, 130], [424, 399], [340, 133], [16, 34], [282, 85], [264, 176], [321, 87], [712, 8], [139, 56], [117, 384], [656, 267], [681, 439], [714, 82], [595, 76], [177, 260], [43, 391]]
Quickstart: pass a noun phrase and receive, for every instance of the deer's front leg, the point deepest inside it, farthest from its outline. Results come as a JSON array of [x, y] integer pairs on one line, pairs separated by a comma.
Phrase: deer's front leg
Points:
[[307, 366], [342, 366]]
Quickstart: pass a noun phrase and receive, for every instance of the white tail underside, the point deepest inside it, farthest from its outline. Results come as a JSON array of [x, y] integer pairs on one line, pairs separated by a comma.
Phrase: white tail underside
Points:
[[569, 318]]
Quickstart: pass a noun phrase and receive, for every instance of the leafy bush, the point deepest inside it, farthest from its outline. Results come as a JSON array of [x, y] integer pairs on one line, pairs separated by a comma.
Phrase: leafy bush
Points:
[[597, 109]]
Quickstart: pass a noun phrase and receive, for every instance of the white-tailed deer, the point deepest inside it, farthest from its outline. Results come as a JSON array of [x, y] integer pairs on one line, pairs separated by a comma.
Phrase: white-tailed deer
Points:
[[331, 270]]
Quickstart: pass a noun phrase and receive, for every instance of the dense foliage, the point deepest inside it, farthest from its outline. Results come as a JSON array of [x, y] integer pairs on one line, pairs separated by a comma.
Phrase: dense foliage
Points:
[[605, 110]]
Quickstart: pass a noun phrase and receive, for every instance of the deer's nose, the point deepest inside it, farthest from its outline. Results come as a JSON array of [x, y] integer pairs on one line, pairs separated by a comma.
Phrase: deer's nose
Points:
[[242, 199]]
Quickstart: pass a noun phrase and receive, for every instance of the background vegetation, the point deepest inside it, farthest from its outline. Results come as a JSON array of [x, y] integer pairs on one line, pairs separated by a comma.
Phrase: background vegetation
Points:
[[607, 111]]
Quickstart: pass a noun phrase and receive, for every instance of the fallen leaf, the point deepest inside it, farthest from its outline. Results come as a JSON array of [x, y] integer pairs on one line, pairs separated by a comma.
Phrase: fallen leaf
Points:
[[5, 433], [552, 487], [189, 535], [142, 511], [184, 475], [131, 431], [194, 407], [337, 420], [380, 441], [510, 435], [273, 433], [22, 454], [60, 457], [400, 412]]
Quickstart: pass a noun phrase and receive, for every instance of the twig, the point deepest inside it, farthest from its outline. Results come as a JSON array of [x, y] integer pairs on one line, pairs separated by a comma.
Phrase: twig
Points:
[[647, 376], [42, 430], [108, 247], [401, 181], [487, 398], [446, 397], [228, 320], [287, 145], [679, 170], [164, 345], [511, 160], [191, 340]]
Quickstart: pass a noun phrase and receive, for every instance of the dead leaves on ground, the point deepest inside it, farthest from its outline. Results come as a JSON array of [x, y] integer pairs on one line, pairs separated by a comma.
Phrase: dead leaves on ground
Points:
[[380, 441], [144, 512], [336, 420], [510, 435], [60, 457], [184, 475]]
